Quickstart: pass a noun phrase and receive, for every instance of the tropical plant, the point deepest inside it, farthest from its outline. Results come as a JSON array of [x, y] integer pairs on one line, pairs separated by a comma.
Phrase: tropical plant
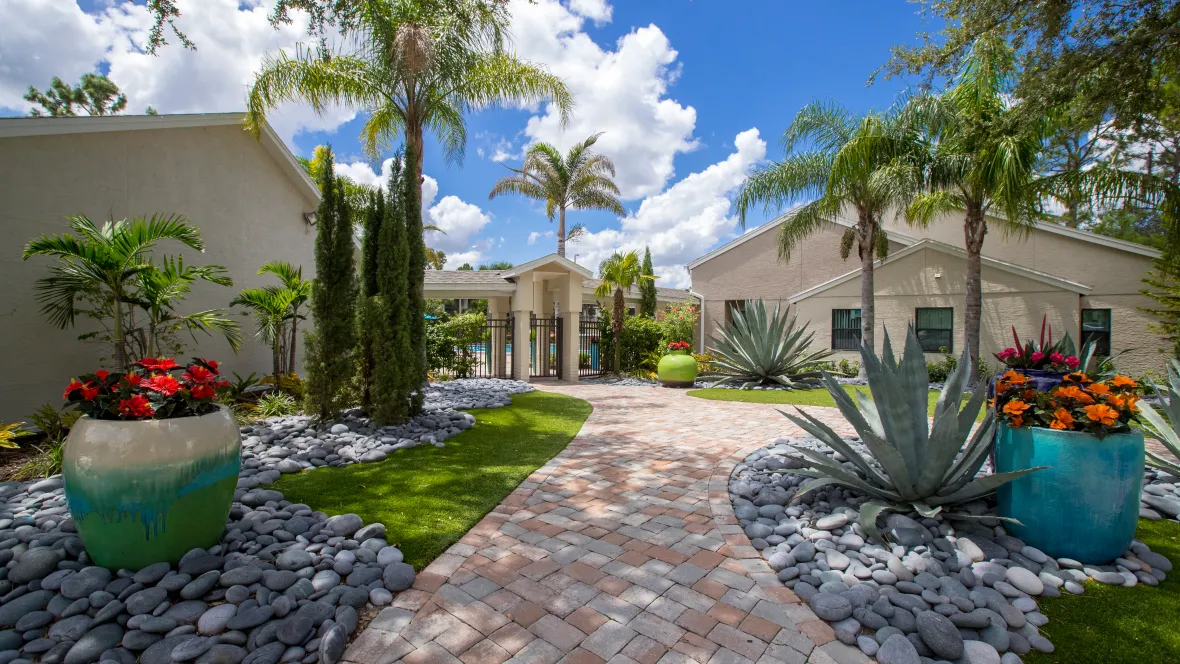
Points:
[[237, 390], [413, 66], [835, 174], [619, 273], [580, 180], [680, 321], [277, 311], [160, 290], [8, 435], [1162, 424], [328, 353], [1078, 403], [757, 347], [55, 424], [912, 464], [1043, 354], [101, 266], [466, 332], [276, 404]]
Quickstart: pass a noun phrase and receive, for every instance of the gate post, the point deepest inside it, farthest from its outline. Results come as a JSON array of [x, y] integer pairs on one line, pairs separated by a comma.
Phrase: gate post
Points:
[[498, 321], [570, 344], [520, 344]]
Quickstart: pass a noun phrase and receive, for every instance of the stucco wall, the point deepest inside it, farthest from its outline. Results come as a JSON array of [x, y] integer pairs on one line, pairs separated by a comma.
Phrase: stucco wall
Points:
[[227, 184]]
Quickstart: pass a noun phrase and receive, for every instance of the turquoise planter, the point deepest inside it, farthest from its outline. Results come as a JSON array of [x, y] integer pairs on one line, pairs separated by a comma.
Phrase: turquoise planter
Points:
[[1085, 506], [677, 369]]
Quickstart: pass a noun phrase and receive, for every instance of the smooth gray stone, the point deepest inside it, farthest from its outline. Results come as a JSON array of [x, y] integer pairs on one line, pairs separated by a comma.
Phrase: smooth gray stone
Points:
[[33, 564], [940, 635], [332, 645], [831, 608], [897, 650], [91, 646], [223, 653], [145, 601], [157, 624], [192, 649], [398, 577], [160, 652], [187, 612], [345, 524], [243, 576], [33, 620], [978, 652], [294, 559], [293, 631], [200, 585], [267, 654], [109, 612], [200, 564], [77, 586], [14, 609], [214, 620], [70, 629], [140, 640], [152, 574], [250, 618]]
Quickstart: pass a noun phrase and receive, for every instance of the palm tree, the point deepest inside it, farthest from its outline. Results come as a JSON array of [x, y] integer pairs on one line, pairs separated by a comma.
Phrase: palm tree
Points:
[[582, 180], [102, 263], [619, 273], [160, 288], [277, 312], [414, 66], [832, 176]]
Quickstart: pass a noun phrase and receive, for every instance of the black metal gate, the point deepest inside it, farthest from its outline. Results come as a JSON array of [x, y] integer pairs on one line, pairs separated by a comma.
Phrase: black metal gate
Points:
[[480, 353], [545, 353], [590, 360], [497, 347]]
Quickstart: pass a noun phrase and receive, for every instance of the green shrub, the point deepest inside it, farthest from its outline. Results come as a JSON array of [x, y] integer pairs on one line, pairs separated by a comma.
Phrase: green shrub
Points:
[[440, 346], [849, 368], [940, 371], [277, 404], [680, 321], [466, 331], [642, 340]]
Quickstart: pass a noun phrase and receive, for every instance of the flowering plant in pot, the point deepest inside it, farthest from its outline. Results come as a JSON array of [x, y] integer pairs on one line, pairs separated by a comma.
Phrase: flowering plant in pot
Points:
[[1043, 359], [1085, 506], [150, 470], [677, 368]]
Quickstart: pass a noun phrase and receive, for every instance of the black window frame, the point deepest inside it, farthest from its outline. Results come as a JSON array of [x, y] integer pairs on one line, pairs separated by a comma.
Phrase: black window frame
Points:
[[730, 306], [1103, 336], [923, 334], [849, 337]]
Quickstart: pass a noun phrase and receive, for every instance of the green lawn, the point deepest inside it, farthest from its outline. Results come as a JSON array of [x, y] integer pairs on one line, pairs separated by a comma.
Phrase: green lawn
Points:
[[428, 497], [1116, 625], [815, 397]]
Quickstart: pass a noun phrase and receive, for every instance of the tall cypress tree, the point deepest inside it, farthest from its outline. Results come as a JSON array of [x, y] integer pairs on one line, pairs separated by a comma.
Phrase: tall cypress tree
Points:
[[369, 304], [391, 401], [417, 278], [647, 287], [328, 355]]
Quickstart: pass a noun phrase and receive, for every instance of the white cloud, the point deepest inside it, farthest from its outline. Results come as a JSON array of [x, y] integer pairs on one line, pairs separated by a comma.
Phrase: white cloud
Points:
[[363, 173], [59, 39], [534, 236], [621, 92], [684, 221]]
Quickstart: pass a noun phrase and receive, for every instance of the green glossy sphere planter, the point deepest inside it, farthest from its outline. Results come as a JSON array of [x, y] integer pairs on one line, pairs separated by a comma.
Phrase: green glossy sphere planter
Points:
[[677, 369], [1085, 506], [148, 491]]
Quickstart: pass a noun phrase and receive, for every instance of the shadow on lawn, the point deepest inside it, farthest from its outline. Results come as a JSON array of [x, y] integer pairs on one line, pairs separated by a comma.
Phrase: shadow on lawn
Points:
[[428, 497]]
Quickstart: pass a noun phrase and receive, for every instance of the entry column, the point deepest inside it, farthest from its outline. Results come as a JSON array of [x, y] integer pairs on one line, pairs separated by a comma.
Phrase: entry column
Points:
[[520, 343], [570, 344]]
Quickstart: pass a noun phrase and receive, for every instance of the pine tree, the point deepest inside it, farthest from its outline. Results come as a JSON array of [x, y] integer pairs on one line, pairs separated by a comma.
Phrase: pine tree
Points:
[[391, 393], [417, 276], [647, 287], [369, 304], [328, 357], [1164, 288]]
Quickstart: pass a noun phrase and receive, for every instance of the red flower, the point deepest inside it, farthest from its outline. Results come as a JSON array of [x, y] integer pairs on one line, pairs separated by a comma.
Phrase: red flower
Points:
[[136, 406], [1037, 356], [198, 374], [133, 379], [102, 374], [164, 384], [89, 393], [1072, 362], [71, 388], [212, 365], [1057, 358], [162, 364], [203, 391]]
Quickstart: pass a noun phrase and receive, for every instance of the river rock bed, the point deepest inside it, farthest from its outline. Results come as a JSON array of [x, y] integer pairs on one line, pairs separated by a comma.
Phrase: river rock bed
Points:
[[942, 590], [284, 584], [626, 381]]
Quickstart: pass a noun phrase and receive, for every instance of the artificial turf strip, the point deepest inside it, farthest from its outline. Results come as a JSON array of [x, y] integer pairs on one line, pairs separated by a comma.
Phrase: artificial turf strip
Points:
[[1117, 625], [427, 496], [813, 397]]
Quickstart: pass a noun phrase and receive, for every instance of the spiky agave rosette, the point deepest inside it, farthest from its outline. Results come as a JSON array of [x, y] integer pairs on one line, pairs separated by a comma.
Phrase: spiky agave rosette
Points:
[[913, 464], [761, 348], [1163, 426]]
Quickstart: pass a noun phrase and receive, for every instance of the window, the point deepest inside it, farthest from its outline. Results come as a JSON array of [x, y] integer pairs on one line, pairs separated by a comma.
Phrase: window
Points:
[[1096, 328], [935, 329], [630, 311], [732, 306], [845, 329]]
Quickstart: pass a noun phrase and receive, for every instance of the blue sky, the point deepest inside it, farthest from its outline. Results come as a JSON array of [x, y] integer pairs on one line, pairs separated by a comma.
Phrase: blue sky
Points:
[[690, 95]]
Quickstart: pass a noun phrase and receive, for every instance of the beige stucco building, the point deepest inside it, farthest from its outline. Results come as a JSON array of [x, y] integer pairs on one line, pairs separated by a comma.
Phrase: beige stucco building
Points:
[[249, 197], [1086, 284]]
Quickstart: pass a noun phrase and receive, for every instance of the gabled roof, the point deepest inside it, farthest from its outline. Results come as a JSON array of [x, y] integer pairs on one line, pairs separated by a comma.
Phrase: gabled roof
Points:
[[773, 224], [661, 293], [551, 258], [942, 247], [45, 126]]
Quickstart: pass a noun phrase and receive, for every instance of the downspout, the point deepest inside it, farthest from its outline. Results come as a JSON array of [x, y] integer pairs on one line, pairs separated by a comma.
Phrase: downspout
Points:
[[701, 346]]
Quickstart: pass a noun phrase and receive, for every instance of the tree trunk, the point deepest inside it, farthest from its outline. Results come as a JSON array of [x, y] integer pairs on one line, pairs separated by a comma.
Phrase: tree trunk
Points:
[[868, 231], [974, 231], [294, 328], [561, 233], [276, 353], [414, 139], [120, 349], [616, 325]]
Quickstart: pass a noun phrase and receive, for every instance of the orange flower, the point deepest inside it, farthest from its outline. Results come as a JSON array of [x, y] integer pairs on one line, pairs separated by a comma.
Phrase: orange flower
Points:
[[1016, 421], [1073, 392], [1002, 386], [1058, 424], [1123, 381], [1076, 377], [1016, 408], [1064, 417], [1102, 414], [1099, 389], [1016, 378]]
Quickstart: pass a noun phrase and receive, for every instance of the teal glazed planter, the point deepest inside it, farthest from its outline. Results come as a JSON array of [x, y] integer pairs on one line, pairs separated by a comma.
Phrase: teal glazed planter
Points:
[[1085, 506], [677, 369]]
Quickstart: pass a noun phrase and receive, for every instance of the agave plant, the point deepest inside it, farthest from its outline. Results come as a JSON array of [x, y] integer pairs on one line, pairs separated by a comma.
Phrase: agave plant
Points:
[[913, 464], [761, 348], [1163, 426]]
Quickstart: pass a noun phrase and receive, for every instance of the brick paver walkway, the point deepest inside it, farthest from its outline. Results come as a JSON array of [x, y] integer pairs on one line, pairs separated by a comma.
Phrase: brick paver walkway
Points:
[[622, 549]]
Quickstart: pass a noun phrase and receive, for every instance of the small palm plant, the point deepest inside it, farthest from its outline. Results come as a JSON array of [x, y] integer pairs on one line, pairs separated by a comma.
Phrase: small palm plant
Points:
[[758, 347], [618, 273], [912, 464], [160, 290], [580, 179], [277, 312], [1163, 425]]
